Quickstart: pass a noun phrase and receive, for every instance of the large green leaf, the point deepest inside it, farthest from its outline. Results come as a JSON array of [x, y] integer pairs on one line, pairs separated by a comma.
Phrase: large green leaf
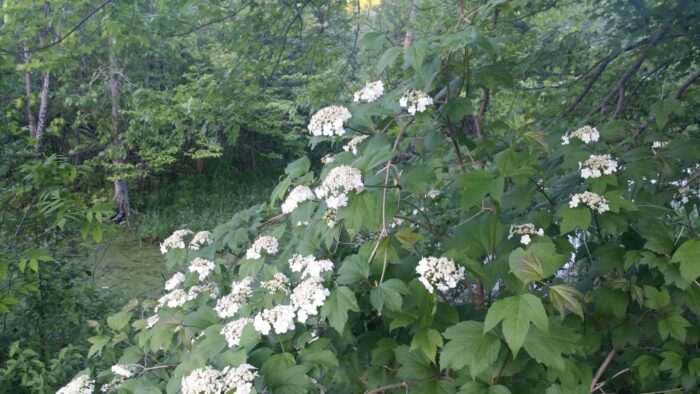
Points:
[[470, 346], [688, 256], [336, 307], [516, 313]]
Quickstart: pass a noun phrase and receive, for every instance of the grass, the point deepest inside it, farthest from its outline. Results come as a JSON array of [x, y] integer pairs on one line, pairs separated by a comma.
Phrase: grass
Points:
[[197, 201], [129, 261]]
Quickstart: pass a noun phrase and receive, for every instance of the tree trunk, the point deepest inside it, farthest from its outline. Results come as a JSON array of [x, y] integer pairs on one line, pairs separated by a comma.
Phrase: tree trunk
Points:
[[408, 39], [28, 89], [121, 186]]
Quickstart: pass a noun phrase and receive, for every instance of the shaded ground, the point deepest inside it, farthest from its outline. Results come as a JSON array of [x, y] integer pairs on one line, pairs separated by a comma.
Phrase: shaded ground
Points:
[[127, 265]]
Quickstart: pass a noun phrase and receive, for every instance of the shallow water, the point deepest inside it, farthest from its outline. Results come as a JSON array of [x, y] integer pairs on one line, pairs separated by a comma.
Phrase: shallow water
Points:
[[127, 265]]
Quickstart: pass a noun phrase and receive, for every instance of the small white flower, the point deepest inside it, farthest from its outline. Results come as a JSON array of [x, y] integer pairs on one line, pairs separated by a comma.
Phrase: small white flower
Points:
[[202, 267], [659, 144], [200, 239], [586, 134], [232, 331], [525, 239], [327, 159], [297, 196], [439, 272], [307, 297], [433, 193], [329, 121], [415, 101], [371, 92], [240, 378], [352, 145], [265, 243], [597, 166], [80, 385], [174, 299], [309, 266], [124, 371], [279, 318], [340, 181], [594, 201], [525, 230], [205, 380], [174, 241], [175, 281], [230, 304], [339, 201], [151, 321], [279, 283]]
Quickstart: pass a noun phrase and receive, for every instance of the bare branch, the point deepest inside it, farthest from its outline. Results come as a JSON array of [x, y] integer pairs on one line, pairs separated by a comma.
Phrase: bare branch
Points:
[[62, 38], [681, 89]]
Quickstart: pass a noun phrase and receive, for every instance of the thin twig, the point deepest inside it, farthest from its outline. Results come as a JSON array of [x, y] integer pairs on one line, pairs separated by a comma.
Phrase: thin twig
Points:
[[602, 368]]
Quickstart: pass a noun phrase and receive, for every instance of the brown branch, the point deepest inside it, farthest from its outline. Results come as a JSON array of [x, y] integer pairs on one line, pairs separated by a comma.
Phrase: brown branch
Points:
[[391, 387], [213, 21], [601, 67], [602, 368], [681, 89], [62, 38], [631, 70]]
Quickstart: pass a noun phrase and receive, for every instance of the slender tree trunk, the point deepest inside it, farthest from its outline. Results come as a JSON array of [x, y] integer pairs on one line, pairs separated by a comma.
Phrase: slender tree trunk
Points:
[[37, 124], [43, 108], [408, 39], [121, 186], [31, 121]]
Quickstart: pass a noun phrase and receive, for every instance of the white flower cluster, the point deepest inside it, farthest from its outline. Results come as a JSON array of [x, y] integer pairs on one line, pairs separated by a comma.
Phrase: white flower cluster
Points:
[[659, 144], [340, 181], [200, 239], [151, 321], [330, 217], [597, 166], [175, 281], [307, 297], [586, 134], [211, 288], [415, 101], [371, 92], [684, 194], [281, 318], [232, 331], [240, 378], [352, 145], [439, 272], [202, 267], [278, 283], [433, 193], [309, 266], [297, 196], [525, 230], [267, 243], [174, 299], [124, 371], [174, 241], [208, 380], [329, 121], [594, 201], [202, 380], [327, 159], [80, 385], [230, 304]]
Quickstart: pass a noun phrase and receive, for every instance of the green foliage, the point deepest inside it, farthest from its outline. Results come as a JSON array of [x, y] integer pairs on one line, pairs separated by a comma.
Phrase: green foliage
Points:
[[460, 264]]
